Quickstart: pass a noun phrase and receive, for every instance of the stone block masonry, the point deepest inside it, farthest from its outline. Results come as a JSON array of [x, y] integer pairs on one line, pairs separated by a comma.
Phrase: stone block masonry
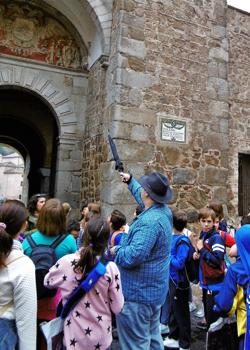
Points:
[[181, 60], [170, 59]]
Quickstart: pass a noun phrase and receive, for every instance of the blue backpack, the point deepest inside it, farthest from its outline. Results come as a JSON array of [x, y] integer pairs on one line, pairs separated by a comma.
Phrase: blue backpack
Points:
[[44, 257], [191, 265]]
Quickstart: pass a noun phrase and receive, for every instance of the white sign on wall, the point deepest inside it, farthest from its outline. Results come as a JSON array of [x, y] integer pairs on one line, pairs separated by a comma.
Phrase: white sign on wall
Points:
[[173, 130]]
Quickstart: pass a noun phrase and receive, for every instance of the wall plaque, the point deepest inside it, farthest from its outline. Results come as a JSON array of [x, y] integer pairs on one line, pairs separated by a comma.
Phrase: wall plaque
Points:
[[173, 130]]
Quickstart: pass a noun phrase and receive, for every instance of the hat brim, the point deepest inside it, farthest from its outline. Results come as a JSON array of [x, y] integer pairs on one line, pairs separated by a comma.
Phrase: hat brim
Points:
[[158, 199]]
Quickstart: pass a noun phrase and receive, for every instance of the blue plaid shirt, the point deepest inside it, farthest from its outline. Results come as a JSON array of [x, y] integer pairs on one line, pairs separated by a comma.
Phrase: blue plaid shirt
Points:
[[144, 254]]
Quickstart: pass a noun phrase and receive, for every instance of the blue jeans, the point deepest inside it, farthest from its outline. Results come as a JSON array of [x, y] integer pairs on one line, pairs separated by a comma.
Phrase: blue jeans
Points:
[[8, 334], [165, 312], [138, 327]]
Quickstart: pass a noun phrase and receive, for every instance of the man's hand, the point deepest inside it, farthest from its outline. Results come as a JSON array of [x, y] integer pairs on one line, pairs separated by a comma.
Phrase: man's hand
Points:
[[200, 244], [125, 177]]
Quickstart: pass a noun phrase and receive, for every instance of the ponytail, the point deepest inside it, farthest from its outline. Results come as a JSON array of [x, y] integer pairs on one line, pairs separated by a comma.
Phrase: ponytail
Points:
[[6, 242], [95, 241], [87, 261]]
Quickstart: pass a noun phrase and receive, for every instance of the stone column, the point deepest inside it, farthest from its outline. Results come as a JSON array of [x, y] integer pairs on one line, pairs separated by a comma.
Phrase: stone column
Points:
[[68, 173]]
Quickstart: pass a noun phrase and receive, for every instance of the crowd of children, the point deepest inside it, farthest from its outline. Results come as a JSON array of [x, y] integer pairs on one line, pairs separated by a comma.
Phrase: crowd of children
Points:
[[29, 297]]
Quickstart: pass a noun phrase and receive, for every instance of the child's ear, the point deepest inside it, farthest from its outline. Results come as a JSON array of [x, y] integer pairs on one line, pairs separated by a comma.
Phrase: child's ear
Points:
[[24, 225]]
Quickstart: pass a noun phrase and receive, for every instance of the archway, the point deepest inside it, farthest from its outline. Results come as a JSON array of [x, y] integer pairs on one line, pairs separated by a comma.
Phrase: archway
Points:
[[11, 173], [29, 125]]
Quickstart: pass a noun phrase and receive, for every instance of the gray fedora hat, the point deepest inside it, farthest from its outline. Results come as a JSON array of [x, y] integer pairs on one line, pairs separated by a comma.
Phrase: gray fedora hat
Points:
[[157, 186]]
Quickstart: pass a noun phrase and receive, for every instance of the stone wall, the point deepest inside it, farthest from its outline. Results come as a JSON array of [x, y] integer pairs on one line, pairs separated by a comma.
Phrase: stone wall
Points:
[[94, 145], [239, 97], [169, 59]]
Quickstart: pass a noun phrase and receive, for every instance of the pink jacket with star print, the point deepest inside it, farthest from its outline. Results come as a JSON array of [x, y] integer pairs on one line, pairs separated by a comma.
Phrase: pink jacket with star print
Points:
[[88, 326]]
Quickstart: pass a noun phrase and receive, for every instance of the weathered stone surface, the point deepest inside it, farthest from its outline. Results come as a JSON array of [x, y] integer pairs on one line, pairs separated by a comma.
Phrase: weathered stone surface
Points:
[[197, 198], [133, 79], [140, 133], [180, 60], [136, 64], [135, 151], [220, 194], [171, 155], [133, 47], [135, 97], [215, 176], [184, 176]]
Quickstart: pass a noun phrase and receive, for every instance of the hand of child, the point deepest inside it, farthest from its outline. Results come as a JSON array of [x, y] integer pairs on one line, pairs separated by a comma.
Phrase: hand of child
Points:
[[196, 256], [112, 251], [200, 244], [233, 252]]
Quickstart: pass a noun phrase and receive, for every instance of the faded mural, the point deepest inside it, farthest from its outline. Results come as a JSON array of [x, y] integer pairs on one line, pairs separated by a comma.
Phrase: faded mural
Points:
[[28, 32]]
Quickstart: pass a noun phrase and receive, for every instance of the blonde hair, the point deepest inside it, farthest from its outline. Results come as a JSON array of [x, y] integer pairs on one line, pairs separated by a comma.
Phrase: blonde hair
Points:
[[66, 207]]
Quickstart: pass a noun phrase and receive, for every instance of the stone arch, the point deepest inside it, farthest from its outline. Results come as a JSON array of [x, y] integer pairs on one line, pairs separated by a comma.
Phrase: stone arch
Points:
[[61, 105], [101, 13], [92, 20], [39, 83]]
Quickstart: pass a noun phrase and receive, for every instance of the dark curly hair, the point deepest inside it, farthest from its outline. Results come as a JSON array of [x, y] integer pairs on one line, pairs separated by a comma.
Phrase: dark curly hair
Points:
[[33, 202]]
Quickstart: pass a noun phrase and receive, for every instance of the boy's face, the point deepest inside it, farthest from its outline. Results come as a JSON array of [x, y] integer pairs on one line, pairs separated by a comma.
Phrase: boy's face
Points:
[[206, 223], [216, 223]]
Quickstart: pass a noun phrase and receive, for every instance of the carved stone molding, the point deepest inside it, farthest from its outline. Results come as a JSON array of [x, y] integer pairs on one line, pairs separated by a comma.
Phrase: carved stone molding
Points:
[[47, 89]]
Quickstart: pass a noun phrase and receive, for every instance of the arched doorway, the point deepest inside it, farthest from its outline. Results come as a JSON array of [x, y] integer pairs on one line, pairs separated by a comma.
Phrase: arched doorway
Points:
[[29, 125], [11, 173]]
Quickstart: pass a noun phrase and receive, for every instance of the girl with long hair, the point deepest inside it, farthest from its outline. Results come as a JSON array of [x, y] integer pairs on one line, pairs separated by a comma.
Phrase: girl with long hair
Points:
[[18, 303], [88, 326], [51, 225]]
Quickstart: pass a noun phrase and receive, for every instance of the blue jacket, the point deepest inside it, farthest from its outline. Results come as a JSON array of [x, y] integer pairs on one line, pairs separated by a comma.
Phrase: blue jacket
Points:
[[178, 258], [143, 256], [212, 261], [232, 295]]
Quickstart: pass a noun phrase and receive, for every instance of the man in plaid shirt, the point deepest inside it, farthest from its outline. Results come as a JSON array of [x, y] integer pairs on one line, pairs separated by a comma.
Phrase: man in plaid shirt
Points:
[[143, 260]]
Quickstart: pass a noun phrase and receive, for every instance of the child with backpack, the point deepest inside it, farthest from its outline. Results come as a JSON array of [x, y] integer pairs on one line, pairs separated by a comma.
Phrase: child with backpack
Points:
[[235, 290], [221, 224], [18, 304], [45, 246], [179, 315], [211, 248], [117, 223], [88, 326]]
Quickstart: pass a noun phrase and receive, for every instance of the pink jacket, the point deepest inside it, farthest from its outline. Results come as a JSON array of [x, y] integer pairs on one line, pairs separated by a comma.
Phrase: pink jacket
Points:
[[88, 326]]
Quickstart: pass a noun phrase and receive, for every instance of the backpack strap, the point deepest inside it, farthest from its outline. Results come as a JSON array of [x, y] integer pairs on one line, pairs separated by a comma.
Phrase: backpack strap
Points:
[[113, 237], [224, 237], [31, 241], [58, 241], [186, 241], [85, 286]]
